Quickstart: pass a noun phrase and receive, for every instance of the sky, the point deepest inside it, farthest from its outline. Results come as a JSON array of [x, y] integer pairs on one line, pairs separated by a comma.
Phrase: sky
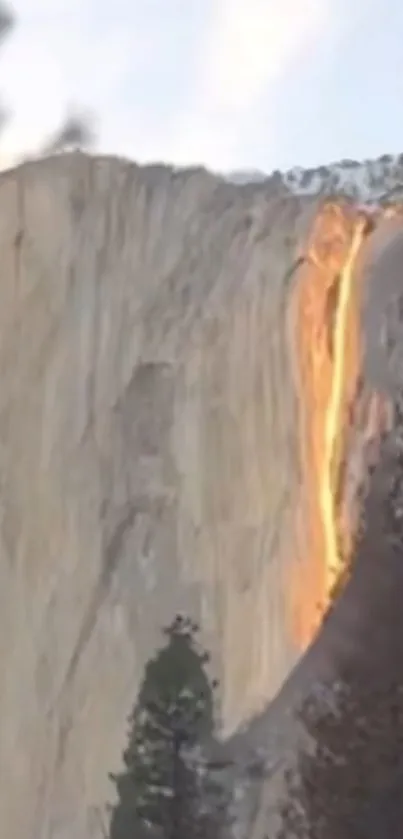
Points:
[[230, 84]]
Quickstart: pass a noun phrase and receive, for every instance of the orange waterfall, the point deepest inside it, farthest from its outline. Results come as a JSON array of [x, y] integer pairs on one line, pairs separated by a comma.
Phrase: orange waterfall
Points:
[[325, 334]]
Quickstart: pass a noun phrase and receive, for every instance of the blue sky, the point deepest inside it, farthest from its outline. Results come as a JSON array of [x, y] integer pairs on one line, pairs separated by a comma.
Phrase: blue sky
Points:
[[228, 83]]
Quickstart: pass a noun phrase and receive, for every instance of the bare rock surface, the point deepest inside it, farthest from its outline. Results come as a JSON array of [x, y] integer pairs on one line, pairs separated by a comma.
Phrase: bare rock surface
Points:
[[151, 389], [148, 459]]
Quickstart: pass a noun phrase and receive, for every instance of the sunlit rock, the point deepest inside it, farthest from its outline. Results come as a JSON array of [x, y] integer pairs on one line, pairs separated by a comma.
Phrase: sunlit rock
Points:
[[180, 399]]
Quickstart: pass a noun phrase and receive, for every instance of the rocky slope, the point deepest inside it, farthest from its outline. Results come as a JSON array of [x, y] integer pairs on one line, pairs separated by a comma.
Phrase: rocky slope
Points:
[[178, 363], [366, 181]]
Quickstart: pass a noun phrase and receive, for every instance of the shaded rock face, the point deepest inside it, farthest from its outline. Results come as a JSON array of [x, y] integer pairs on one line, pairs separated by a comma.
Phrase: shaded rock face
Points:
[[383, 309], [362, 637], [164, 446]]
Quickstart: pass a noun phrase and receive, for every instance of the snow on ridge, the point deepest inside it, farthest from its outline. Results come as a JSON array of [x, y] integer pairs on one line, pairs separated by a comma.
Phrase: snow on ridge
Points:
[[368, 182]]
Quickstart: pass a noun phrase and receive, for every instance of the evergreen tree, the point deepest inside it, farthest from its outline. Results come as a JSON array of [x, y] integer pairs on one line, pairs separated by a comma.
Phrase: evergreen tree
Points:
[[167, 784], [6, 21], [75, 133], [6, 25], [77, 129]]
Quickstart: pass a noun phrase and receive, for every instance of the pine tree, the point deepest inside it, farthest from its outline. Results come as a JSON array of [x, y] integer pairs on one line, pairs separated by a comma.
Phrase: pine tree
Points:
[[167, 783], [77, 129], [6, 25], [6, 21], [75, 133]]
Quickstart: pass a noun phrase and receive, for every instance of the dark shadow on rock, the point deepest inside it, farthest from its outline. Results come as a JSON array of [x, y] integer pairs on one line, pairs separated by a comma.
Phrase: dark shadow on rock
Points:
[[362, 635]]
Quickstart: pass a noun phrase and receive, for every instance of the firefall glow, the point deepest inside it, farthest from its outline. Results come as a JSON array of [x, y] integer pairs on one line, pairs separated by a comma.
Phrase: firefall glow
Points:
[[324, 322], [333, 417]]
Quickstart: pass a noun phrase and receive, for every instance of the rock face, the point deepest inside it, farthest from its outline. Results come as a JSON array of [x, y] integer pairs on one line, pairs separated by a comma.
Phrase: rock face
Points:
[[148, 458], [169, 439], [363, 632]]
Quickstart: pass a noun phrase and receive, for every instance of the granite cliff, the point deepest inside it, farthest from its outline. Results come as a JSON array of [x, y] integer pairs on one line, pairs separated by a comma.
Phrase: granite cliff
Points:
[[184, 424]]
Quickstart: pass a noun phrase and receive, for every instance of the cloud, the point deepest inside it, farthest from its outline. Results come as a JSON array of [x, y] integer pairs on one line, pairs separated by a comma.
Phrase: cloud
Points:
[[182, 80], [252, 43], [84, 53], [250, 46], [53, 60]]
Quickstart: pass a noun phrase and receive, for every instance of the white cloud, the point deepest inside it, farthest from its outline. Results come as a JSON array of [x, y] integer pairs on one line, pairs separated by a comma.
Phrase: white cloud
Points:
[[115, 60], [251, 44], [68, 53]]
